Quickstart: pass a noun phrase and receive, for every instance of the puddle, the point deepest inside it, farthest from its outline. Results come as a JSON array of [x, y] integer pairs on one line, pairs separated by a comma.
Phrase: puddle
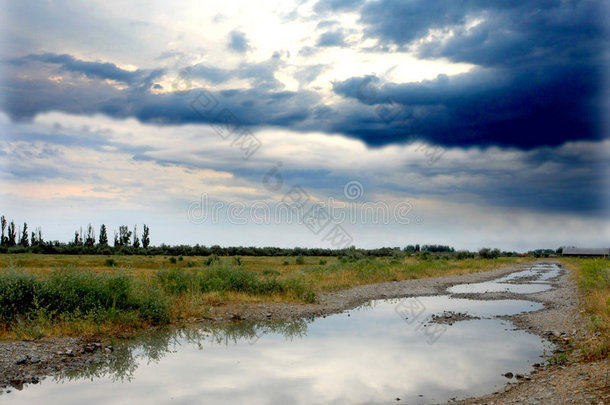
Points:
[[372, 354], [532, 280]]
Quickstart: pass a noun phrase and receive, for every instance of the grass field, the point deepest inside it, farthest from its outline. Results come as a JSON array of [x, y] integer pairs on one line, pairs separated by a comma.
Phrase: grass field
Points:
[[593, 277], [45, 295]]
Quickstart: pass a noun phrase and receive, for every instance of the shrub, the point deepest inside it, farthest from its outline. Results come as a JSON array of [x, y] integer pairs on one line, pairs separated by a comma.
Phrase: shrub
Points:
[[322, 262], [109, 262], [299, 260], [351, 256], [80, 294], [176, 280], [172, 260], [487, 253], [464, 254], [224, 278], [212, 259], [271, 272], [17, 293]]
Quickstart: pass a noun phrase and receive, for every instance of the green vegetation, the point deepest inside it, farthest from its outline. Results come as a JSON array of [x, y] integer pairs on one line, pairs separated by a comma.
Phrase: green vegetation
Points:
[[70, 294], [15, 239], [224, 278], [43, 295], [559, 359], [593, 278]]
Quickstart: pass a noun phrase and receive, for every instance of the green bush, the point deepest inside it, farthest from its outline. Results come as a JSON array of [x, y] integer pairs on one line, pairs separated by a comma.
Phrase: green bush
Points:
[[464, 254], [271, 272], [17, 292], [212, 259], [172, 260], [73, 293], [487, 253], [109, 262], [299, 260], [177, 281], [225, 278]]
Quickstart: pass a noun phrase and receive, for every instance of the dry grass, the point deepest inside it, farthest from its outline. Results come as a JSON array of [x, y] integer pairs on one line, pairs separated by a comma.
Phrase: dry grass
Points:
[[331, 276], [316, 275], [593, 278]]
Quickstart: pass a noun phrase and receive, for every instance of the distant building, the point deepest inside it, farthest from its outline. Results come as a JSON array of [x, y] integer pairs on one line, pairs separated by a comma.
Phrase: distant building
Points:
[[603, 252]]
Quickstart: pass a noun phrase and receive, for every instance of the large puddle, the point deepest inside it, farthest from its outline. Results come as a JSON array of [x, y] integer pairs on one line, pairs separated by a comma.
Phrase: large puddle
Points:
[[528, 281], [376, 353]]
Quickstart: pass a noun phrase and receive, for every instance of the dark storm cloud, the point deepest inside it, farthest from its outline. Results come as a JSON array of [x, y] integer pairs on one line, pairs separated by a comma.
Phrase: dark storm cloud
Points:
[[505, 32], [238, 42], [24, 98], [540, 80], [93, 70], [26, 95], [509, 107]]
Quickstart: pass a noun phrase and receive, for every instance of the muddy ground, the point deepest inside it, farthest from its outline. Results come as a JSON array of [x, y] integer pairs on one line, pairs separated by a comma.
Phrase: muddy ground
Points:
[[561, 321]]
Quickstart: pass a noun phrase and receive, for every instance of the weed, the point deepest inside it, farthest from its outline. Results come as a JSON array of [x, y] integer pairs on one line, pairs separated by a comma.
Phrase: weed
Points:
[[271, 272], [212, 259], [559, 359], [70, 293]]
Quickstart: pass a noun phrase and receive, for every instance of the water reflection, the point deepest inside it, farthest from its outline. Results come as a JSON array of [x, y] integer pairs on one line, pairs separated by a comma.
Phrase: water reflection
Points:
[[367, 355], [528, 281], [150, 348]]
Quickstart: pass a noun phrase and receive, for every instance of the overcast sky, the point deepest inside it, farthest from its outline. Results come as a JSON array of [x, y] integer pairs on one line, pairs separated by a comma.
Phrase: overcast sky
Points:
[[377, 123]]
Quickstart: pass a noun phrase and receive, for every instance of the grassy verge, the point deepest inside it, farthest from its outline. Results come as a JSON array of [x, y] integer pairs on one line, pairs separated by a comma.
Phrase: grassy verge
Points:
[[593, 277], [43, 295]]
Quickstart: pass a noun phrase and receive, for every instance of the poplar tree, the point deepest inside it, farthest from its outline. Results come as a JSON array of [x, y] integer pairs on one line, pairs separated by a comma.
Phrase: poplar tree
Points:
[[136, 241], [12, 236], [24, 236], [145, 237], [3, 224], [103, 241]]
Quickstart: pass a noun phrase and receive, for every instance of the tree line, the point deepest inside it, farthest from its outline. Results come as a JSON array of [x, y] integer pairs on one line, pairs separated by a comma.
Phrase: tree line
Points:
[[128, 241], [19, 240]]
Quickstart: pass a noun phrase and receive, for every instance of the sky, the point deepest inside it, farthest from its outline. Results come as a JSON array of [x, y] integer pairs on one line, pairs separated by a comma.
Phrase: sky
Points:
[[315, 123]]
